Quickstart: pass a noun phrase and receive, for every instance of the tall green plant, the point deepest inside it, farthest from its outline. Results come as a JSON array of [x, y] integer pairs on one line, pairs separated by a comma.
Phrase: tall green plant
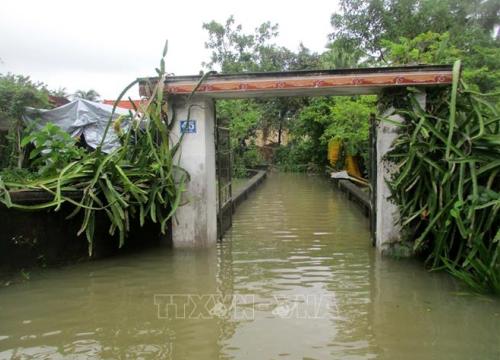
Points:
[[447, 185]]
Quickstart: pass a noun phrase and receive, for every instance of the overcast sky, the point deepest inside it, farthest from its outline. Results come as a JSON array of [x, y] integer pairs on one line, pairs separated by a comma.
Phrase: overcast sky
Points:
[[105, 44]]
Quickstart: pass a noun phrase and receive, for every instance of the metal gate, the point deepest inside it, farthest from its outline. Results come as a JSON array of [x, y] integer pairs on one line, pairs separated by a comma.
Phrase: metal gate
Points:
[[224, 184]]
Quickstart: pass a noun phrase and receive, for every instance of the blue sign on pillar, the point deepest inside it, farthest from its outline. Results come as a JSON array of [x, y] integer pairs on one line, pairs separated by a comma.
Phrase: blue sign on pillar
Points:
[[188, 126]]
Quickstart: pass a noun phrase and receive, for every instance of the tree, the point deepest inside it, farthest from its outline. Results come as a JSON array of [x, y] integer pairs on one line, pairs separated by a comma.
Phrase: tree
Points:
[[90, 95], [343, 53], [367, 23], [242, 117], [16, 93], [468, 25], [233, 50], [432, 48], [426, 48], [60, 92], [342, 118]]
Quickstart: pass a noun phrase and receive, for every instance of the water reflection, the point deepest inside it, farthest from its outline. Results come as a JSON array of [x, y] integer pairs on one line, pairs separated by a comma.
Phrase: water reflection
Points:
[[296, 277], [308, 290]]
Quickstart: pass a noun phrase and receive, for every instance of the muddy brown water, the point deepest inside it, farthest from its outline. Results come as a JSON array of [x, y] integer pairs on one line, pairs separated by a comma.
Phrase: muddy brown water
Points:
[[295, 278]]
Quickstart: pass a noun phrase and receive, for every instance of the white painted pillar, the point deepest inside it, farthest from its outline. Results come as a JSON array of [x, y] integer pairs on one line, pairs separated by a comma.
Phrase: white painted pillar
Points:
[[388, 231], [195, 223]]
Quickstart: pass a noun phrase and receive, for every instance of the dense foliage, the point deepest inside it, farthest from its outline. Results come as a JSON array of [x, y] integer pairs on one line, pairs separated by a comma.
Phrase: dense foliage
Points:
[[343, 118], [140, 180], [242, 131], [365, 26], [365, 33], [232, 50], [16, 93], [325, 118], [309, 122], [53, 149], [447, 185]]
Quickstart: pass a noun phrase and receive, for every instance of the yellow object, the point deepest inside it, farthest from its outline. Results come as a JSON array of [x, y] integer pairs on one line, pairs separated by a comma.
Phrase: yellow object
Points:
[[334, 146], [352, 166]]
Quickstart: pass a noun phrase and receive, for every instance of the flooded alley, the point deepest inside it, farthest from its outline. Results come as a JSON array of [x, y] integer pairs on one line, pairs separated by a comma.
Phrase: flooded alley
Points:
[[295, 278]]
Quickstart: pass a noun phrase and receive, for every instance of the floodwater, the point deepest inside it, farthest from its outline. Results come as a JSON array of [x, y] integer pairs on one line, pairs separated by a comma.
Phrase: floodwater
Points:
[[295, 278]]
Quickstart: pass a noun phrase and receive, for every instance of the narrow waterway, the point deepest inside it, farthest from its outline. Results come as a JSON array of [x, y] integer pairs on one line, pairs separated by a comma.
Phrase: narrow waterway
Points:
[[295, 278]]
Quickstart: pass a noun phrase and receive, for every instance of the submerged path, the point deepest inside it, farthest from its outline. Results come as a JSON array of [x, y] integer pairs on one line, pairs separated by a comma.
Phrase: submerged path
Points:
[[295, 278]]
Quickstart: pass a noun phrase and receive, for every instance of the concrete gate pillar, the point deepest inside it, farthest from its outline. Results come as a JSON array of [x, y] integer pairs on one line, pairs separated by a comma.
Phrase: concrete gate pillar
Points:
[[195, 223], [387, 228]]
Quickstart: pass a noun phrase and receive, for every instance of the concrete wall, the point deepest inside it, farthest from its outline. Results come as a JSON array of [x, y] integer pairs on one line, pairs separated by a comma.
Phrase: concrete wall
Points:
[[195, 223], [44, 238]]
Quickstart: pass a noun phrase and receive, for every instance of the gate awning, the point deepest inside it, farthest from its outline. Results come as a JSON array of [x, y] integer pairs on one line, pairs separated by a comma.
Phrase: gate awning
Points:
[[305, 83]]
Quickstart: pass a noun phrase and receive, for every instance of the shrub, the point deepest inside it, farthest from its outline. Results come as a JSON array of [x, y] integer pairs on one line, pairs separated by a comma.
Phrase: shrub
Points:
[[53, 149], [448, 184]]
